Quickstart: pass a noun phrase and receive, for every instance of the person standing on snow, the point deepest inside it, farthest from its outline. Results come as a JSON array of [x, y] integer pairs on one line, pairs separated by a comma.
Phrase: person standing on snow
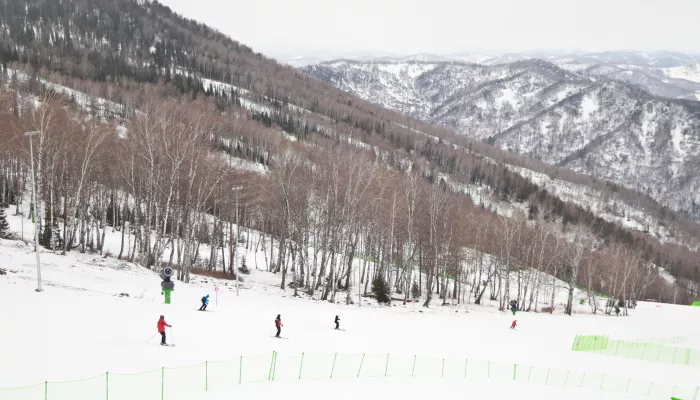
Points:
[[337, 322], [205, 302], [278, 325], [514, 324], [161, 329]]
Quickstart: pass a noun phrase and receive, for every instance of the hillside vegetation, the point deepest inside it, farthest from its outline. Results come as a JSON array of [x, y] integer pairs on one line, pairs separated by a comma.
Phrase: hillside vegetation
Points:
[[162, 127]]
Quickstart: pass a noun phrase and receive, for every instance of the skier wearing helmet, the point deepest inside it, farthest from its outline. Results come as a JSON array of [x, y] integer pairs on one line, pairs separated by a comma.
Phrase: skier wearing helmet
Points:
[[161, 329]]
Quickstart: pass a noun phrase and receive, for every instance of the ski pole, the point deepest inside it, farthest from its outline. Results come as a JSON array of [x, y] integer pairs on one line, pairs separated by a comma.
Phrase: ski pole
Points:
[[172, 334], [151, 338]]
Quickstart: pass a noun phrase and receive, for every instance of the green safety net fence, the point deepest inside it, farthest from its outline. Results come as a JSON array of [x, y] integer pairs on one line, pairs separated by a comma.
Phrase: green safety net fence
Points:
[[655, 350], [179, 383]]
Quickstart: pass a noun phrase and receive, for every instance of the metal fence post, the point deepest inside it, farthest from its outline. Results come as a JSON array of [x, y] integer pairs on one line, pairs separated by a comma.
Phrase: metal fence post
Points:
[[673, 361], [273, 361], [386, 367], [443, 368], [46, 390], [333, 366], [274, 368], [515, 370], [162, 383], [488, 372], [240, 370], [359, 370], [107, 385], [413, 370], [466, 363], [301, 365]]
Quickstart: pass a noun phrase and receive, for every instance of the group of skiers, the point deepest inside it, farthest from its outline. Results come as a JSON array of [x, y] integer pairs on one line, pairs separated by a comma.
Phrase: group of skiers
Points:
[[278, 324], [278, 320], [205, 302]]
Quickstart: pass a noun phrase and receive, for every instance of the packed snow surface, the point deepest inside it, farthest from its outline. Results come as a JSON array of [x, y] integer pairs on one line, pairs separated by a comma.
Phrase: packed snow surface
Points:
[[80, 327]]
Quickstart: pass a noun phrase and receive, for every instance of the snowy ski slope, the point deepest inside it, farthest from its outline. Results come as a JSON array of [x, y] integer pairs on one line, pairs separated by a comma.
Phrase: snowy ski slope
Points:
[[79, 327]]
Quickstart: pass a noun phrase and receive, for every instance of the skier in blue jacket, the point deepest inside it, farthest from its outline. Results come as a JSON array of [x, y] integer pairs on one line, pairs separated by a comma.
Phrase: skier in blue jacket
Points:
[[205, 302]]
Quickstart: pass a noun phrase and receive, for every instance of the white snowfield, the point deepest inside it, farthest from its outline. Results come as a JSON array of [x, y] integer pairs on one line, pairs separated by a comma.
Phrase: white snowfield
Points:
[[689, 72], [79, 327]]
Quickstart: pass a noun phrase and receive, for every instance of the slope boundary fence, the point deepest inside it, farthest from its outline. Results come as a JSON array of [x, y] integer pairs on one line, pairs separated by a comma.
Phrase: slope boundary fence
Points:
[[653, 350], [177, 383]]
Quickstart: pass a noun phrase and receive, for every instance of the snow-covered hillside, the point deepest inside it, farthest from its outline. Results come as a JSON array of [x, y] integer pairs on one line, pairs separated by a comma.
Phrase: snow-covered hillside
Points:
[[609, 207], [690, 72], [99, 314], [598, 127], [654, 81]]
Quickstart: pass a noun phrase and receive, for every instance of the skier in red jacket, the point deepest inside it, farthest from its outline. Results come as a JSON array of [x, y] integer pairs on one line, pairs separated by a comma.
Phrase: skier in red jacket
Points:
[[278, 325], [161, 329], [514, 324]]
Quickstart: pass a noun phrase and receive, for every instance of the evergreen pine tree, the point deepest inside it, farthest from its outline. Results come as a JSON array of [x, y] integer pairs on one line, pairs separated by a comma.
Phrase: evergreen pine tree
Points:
[[244, 268], [415, 290], [4, 225], [381, 290]]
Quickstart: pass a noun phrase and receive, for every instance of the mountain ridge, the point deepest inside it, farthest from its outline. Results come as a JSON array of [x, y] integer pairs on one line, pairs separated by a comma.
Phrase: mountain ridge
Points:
[[510, 104]]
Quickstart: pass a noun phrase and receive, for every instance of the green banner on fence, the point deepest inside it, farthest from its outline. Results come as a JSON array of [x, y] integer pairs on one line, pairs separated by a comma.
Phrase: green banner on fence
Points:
[[654, 350]]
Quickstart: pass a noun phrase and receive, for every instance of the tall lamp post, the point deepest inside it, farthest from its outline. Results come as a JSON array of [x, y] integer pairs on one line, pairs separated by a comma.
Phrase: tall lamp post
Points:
[[235, 242], [36, 212]]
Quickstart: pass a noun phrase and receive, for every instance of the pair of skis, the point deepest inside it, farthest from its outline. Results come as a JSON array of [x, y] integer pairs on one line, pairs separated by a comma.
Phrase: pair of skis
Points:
[[163, 344]]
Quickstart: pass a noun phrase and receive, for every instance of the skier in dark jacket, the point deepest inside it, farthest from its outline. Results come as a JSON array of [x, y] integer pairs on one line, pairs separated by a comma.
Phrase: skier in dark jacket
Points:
[[337, 322], [278, 325], [513, 306], [205, 303]]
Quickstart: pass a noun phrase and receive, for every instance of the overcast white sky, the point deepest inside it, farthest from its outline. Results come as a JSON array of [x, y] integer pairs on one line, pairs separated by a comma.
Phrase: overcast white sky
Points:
[[450, 26]]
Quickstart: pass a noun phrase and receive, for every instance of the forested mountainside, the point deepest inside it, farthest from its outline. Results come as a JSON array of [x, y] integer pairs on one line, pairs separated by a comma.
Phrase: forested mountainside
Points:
[[599, 127], [210, 133]]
